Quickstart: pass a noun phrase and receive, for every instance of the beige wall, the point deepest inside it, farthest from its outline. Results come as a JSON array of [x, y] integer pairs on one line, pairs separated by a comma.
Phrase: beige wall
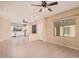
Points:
[[5, 27], [39, 34], [72, 42]]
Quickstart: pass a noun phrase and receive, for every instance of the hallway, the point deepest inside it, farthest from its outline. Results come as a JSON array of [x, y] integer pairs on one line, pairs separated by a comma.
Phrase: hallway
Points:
[[23, 48]]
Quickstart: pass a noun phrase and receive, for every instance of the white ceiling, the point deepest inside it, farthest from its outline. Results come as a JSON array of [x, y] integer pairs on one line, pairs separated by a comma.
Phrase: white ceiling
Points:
[[19, 10]]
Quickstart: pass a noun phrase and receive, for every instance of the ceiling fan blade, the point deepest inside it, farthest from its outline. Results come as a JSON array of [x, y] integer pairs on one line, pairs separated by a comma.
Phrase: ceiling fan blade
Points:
[[24, 24], [36, 5], [24, 21], [49, 9], [43, 1], [40, 10], [54, 3]]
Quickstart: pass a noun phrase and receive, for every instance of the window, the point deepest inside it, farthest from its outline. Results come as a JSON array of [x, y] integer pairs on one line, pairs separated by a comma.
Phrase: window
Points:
[[67, 30], [65, 27], [17, 28], [33, 28]]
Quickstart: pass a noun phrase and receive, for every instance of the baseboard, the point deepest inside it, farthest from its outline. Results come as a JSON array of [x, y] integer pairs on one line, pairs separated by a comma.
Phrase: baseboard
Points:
[[62, 45]]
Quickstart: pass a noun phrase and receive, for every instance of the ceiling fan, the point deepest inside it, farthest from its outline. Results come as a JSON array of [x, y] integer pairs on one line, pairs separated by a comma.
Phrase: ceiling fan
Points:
[[44, 4], [25, 23]]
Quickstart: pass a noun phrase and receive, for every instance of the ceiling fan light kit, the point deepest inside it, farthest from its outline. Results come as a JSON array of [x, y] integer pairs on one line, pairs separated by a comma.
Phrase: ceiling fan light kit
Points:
[[45, 6]]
